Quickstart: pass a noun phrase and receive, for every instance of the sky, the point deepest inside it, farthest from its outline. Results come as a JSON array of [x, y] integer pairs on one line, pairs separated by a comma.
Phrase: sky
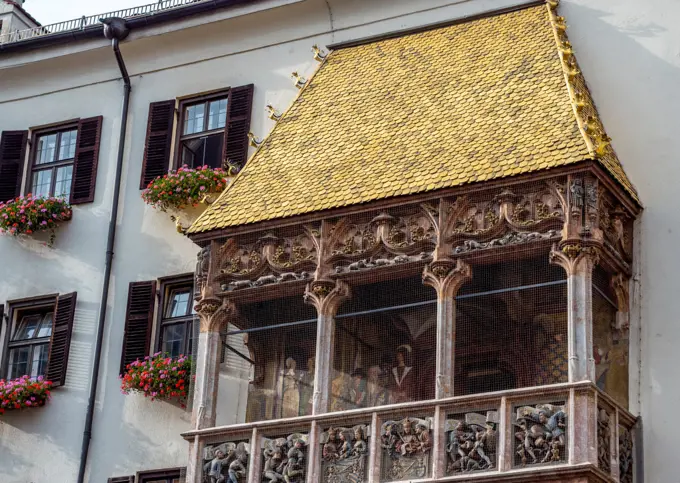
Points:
[[53, 11]]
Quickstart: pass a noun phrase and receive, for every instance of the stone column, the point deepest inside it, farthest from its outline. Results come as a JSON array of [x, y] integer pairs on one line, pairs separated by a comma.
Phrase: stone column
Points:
[[213, 314], [578, 260], [326, 296], [446, 277]]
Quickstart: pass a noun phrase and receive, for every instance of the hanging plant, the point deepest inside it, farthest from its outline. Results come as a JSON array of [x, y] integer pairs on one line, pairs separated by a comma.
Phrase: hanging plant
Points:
[[185, 187], [159, 377], [23, 392], [26, 215]]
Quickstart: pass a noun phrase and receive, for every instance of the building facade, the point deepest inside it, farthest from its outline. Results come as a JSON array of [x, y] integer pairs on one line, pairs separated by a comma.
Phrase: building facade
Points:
[[433, 264]]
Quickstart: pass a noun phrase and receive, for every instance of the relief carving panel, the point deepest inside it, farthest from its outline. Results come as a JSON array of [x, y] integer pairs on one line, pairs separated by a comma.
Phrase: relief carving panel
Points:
[[226, 462], [406, 448], [471, 442], [540, 435], [285, 459], [345, 454]]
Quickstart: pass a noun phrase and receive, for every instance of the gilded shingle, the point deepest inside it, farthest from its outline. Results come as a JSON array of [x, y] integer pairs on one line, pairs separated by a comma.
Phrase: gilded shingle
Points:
[[466, 103]]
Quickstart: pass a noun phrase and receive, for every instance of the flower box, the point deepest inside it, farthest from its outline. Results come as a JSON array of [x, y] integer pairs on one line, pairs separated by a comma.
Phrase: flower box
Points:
[[159, 377], [186, 193], [27, 215], [23, 393]]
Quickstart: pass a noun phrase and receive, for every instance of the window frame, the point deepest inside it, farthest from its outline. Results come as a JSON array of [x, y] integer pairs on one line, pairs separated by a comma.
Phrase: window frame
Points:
[[14, 309], [186, 102], [167, 285], [34, 135], [167, 473]]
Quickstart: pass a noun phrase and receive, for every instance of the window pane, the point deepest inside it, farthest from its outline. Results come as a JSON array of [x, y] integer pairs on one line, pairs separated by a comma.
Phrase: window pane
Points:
[[41, 182], [46, 326], [180, 303], [67, 146], [46, 146], [18, 362], [217, 114], [27, 327], [173, 339], [39, 365], [63, 185], [193, 119]]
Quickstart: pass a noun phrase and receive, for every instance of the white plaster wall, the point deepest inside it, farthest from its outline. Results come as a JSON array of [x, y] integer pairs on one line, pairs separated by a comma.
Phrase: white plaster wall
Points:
[[627, 49]]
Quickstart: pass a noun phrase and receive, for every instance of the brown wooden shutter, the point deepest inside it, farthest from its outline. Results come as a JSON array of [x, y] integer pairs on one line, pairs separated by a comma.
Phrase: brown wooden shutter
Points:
[[86, 160], [237, 127], [12, 157], [138, 322], [62, 326], [158, 141], [122, 479]]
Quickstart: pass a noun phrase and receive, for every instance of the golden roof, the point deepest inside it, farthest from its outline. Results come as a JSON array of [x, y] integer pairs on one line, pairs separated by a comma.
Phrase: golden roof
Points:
[[476, 101]]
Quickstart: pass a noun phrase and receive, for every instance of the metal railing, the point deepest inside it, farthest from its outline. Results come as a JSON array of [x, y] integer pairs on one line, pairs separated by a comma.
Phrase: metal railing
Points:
[[92, 21]]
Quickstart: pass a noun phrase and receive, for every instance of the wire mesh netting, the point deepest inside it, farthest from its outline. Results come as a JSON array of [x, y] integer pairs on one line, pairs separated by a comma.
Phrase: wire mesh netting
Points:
[[610, 345], [268, 362], [511, 327], [385, 345]]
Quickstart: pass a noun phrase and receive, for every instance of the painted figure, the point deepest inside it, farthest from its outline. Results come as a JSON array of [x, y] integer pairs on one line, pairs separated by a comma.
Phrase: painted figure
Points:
[[357, 391], [376, 395], [307, 388], [403, 382], [291, 390]]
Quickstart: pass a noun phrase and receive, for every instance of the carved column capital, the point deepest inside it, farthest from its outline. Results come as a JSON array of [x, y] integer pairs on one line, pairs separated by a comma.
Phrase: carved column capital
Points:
[[447, 276], [214, 313], [327, 295], [575, 257]]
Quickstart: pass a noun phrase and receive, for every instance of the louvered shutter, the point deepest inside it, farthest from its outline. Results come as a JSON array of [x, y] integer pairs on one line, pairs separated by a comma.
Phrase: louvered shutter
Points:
[[62, 326], [12, 154], [237, 127], [138, 322], [86, 160], [158, 141]]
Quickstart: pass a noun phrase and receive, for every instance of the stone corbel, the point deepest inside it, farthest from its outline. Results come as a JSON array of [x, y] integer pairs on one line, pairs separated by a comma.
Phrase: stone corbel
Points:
[[447, 276], [327, 295], [214, 313], [576, 258]]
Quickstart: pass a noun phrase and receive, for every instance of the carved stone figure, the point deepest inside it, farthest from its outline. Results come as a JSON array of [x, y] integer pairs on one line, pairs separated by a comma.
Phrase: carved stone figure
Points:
[[625, 455], [603, 441], [291, 390], [285, 459], [226, 463], [344, 455], [471, 443], [541, 434], [406, 449]]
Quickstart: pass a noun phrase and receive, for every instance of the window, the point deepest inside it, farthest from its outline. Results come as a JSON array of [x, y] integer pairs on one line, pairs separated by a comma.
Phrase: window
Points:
[[52, 163], [29, 344], [177, 317], [201, 134], [62, 162], [207, 130], [38, 336], [160, 476]]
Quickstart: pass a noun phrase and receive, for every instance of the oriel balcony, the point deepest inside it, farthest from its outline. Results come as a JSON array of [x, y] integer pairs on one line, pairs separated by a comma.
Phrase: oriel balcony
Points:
[[505, 359]]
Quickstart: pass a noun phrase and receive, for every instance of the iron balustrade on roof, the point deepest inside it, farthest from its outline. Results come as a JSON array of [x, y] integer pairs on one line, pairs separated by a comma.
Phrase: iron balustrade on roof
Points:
[[92, 21]]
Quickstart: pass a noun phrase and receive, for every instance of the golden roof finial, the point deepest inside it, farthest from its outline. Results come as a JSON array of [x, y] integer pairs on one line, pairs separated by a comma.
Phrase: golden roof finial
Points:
[[566, 49], [560, 23], [319, 55], [254, 140], [299, 80], [553, 4], [273, 114]]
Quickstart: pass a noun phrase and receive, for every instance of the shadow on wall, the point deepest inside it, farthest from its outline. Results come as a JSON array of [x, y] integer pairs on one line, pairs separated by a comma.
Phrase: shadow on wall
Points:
[[54, 430]]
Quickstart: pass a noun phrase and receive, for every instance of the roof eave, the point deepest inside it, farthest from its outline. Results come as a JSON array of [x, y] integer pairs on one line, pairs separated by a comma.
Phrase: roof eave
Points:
[[95, 31]]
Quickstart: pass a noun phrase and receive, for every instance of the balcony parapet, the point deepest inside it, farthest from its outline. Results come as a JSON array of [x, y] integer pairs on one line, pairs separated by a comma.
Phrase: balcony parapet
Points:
[[563, 431]]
